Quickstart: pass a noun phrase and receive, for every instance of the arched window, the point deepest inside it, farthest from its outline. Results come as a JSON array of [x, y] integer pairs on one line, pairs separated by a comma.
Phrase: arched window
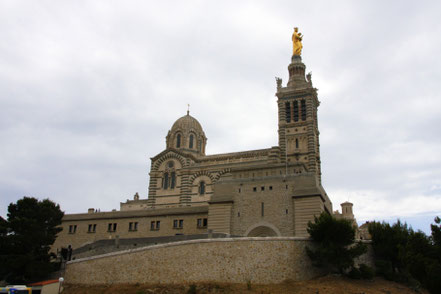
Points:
[[190, 145], [296, 110], [288, 112], [165, 183], [202, 188], [297, 143], [303, 109], [173, 180], [178, 141]]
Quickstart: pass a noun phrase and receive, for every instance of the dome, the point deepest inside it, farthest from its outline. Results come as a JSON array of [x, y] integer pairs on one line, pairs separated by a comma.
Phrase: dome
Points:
[[187, 134], [187, 122]]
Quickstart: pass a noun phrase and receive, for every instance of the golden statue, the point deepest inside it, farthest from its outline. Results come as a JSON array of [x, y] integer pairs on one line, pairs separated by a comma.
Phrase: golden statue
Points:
[[297, 42]]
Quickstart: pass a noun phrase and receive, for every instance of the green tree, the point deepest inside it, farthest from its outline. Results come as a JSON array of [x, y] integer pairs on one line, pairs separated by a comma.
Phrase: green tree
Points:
[[404, 255], [26, 237], [388, 243], [334, 243], [436, 234], [434, 269]]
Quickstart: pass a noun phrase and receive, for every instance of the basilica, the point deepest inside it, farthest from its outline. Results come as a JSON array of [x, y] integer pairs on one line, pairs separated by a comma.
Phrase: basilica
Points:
[[266, 192]]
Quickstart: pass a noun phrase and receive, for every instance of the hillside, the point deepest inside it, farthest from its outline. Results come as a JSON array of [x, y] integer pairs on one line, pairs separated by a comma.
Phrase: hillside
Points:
[[328, 284]]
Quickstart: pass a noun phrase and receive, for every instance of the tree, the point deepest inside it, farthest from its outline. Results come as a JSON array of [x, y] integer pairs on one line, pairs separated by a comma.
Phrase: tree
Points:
[[26, 237], [436, 234], [334, 240], [388, 243], [403, 255]]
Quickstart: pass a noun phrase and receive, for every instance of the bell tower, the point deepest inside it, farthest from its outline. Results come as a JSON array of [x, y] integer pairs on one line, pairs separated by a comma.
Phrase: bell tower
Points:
[[298, 127]]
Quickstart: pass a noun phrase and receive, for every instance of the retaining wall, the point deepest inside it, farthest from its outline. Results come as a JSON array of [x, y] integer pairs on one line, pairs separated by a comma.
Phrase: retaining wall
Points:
[[261, 260]]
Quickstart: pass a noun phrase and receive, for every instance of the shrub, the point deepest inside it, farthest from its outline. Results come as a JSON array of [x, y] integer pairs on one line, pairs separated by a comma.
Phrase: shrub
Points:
[[406, 256], [366, 272], [354, 273], [334, 239]]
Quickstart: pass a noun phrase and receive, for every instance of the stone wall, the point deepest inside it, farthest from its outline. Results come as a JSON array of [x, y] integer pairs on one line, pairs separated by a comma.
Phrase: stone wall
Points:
[[235, 260]]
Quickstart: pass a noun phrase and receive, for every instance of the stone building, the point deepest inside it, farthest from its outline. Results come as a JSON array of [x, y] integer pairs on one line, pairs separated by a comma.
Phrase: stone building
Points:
[[267, 192]]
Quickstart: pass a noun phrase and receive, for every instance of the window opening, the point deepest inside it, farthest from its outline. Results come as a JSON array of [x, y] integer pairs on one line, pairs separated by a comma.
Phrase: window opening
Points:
[[178, 141], [191, 142], [173, 180], [303, 106], [297, 143], [92, 228], [288, 112], [133, 226], [202, 188], [201, 222], [72, 229], [296, 110], [155, 225], [178, 224], [111, 227], [165, 181], [263, 208]]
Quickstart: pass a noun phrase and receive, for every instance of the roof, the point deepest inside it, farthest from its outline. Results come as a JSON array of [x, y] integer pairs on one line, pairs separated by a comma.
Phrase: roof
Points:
[[187, 123], [136, 213]]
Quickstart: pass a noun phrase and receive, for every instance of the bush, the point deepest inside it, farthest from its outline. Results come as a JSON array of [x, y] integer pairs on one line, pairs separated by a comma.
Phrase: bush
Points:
[[362, 272], [354, 273], [406, 256], [366, 272], [334, 239], [384, 269]]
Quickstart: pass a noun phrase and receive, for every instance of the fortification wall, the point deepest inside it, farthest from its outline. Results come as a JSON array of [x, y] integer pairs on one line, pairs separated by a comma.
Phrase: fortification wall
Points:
[[236, 260]]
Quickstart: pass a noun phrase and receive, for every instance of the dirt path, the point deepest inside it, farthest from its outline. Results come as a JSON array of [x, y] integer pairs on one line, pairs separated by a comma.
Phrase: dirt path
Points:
[[328, 284]]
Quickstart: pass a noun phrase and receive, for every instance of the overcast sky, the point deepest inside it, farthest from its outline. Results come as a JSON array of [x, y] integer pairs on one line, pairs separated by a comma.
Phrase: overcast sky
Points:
[[89, 90]]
